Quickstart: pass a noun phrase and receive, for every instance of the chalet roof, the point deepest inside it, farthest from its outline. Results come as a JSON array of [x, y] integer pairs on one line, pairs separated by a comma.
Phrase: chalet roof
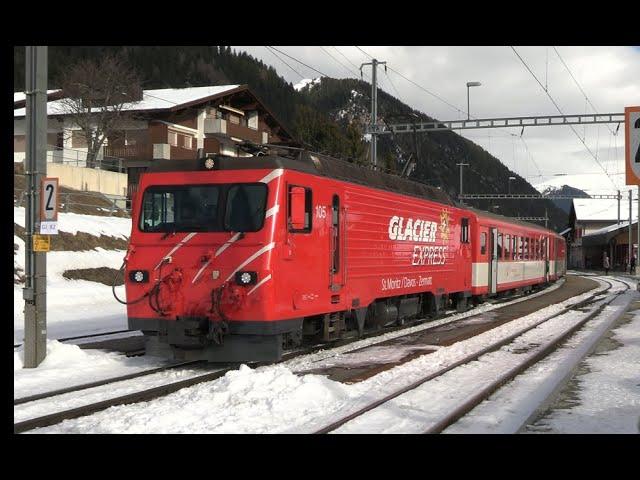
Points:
[[158, 99], [168, 99], [603, 210], [20, 98]]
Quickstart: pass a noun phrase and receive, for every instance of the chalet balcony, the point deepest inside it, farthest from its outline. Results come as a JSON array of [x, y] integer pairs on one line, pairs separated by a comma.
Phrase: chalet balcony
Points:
[[215, 125], [130, 152], [151, 151]]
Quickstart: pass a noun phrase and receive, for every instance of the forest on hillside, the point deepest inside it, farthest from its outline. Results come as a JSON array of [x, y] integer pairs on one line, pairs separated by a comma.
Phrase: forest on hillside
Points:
[[329, 117]]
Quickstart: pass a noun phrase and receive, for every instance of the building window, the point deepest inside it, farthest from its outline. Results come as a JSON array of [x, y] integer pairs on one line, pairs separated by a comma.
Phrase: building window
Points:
[[252, 120], [235, 119], [187, 142], [173, 138]]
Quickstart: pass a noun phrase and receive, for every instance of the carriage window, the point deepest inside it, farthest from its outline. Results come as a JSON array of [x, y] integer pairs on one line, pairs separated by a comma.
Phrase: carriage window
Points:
[[483, 243], [464, 231], [525, 248], [499, 245], [246, 205], [507, 247]]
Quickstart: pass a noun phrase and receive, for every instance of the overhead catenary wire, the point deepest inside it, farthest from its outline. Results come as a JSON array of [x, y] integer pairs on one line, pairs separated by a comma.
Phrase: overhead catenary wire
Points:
[[562, 113], [279, 58], [578, 85], [338, 61], [345, 57], [300, 62]]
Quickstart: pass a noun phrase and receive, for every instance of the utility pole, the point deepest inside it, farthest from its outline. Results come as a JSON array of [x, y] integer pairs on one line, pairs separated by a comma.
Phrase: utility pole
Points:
[[629, 228], [35, 289], [546, 219], [619, 198], [374, 107], [461, 165]]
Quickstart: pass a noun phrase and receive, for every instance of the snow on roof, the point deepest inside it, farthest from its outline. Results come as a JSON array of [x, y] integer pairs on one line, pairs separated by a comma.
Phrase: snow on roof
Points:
[[21, 96], [592, 209], [610, 228], [163, 98]]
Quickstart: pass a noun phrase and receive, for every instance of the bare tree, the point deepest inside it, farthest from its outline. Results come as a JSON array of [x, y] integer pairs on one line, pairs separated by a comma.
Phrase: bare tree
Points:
[[95, 94]]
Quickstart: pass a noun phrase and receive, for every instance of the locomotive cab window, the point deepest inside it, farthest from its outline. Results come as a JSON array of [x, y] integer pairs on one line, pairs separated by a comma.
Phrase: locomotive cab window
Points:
[[483, 243], [204, 208], [299, 209], [246, 205], [178, 208]]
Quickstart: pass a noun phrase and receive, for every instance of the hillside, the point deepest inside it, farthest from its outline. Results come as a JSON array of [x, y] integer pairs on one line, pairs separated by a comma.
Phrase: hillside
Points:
[[329, 116]]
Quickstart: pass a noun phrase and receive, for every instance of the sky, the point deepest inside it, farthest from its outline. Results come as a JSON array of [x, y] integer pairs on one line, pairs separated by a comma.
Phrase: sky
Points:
[[609, 76]]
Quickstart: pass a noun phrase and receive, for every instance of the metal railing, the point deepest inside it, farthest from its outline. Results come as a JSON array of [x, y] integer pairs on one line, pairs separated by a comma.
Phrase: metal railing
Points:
[[112, 203], [78, 158]]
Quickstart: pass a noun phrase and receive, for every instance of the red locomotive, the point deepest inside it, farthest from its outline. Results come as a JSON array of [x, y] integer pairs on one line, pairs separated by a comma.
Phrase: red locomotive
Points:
[[236, 259]]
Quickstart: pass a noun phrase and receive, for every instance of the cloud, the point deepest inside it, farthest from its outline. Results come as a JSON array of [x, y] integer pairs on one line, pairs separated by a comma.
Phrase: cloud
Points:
[[609, 75]]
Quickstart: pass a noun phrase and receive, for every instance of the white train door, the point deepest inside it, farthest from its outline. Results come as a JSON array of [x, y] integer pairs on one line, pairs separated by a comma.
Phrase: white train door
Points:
[[493, 260], [545, 250]]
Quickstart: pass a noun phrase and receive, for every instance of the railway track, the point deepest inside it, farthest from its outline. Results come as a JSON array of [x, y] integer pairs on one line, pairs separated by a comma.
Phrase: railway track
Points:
[[81, 337], [165, 389], [470, 402]]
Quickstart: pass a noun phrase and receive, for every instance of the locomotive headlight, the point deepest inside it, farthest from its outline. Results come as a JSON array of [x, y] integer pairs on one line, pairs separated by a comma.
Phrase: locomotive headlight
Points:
[[246, 278], [209, 163], [139, 276]]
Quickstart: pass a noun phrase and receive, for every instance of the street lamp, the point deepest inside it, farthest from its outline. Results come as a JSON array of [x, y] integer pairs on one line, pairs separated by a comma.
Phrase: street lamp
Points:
[[470, 84], [510, 178]]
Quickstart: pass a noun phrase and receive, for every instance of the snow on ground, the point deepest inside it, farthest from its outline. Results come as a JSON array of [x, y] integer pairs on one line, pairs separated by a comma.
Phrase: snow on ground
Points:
[[76, 307], [592, 184], [511, 407], [268, 399], [67, 365], [92, 224], [608, 394], [310, 82], [274, 399]]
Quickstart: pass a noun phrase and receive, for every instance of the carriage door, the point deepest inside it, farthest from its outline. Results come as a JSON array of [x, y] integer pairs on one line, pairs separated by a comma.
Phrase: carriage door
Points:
[[545, 252], [493, 260], [335, 256]]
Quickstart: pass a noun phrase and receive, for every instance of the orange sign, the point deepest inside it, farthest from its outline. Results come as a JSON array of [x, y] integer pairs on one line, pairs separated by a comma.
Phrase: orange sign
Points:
[[632, 144]]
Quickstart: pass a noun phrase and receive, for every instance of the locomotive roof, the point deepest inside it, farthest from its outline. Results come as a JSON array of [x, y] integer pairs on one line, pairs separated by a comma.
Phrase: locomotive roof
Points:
[[483, 213], [315, 164]]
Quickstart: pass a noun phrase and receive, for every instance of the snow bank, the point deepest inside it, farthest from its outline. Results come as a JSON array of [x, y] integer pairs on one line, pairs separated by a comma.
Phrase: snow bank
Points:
[[264, 400], [91, 224]]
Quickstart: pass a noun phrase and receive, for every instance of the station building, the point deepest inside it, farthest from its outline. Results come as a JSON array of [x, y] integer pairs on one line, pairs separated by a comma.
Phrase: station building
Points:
[[596, 229]]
